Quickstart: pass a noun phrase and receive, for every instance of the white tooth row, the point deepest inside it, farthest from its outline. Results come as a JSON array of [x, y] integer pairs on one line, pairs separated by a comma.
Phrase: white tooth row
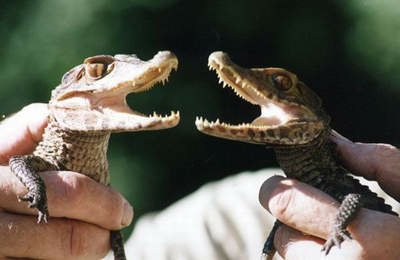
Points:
[[211, 67], [164, 80], [238, 81], [206, 123], [172, 115]]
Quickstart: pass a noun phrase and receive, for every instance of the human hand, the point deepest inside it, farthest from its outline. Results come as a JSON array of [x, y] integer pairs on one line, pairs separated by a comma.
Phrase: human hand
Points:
[[307, 210], [82, 210]]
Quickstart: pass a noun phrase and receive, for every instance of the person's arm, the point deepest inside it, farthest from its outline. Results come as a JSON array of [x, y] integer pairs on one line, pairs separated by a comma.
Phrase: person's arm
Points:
[[305, 209], [79, 207]]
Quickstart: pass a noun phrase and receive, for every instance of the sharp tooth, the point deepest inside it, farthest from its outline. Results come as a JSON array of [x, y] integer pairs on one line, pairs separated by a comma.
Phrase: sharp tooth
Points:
[[237, 80], [224, 84]]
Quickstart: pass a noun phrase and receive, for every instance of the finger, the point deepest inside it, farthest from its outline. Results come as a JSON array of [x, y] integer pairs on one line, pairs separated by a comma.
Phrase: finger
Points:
[[378, 162], [292, 244], [58, 239], [70, 195], [20, 133], [299, 205]]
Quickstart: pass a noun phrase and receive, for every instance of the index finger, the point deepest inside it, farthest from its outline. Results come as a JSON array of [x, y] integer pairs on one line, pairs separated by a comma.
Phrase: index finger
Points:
[[380, 162], [70, 195]]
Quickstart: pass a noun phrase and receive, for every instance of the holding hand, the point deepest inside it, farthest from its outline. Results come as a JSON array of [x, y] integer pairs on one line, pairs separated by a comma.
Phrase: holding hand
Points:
[[80, 207], [306, 209]]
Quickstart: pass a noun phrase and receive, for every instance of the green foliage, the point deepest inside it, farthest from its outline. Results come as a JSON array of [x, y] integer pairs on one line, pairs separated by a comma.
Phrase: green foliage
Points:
[[374, 38]]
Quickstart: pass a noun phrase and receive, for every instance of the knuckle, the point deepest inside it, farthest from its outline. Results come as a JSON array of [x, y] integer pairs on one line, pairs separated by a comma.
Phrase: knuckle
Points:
[[386, 156], [83, 241], [386, 150], [282, 199]]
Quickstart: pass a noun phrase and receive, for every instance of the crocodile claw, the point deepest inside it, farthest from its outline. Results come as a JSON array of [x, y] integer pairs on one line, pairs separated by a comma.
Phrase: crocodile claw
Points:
[[38, 201], [335, 239]]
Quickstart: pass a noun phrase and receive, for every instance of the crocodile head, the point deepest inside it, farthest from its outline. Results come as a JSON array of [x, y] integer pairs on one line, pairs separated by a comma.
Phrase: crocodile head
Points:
[[92, 95], [291, 113]]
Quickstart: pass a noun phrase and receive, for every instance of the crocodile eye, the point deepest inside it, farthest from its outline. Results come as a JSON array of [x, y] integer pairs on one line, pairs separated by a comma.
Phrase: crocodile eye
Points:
[[281, 81], [95, 70], [98, 66]]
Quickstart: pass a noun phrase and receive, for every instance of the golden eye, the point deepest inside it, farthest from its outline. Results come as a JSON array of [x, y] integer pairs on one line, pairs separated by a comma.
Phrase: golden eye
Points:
[[95, 70], [97, 67], [281, 81]]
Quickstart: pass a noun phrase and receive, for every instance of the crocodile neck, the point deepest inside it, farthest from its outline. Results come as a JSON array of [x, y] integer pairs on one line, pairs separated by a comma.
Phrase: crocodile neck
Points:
[[309, 161], [79, 151]]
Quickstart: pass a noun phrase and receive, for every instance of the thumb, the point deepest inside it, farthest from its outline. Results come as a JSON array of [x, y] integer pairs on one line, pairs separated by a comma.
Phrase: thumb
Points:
[[20, 133]]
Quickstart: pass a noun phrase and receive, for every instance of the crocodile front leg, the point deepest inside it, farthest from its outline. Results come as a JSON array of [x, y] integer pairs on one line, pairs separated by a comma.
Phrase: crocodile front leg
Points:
[[347, 211], [26, 169]]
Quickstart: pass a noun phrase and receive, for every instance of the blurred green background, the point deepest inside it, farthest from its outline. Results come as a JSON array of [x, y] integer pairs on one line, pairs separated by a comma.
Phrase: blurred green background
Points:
[[348, 51]]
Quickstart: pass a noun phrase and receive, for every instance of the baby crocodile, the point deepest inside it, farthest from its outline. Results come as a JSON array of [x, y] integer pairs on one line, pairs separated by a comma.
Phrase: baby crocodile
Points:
[[84, 110], [295, 125]]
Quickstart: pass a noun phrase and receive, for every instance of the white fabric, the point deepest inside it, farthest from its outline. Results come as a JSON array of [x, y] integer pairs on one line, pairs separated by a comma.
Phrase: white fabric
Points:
[[221, 220]]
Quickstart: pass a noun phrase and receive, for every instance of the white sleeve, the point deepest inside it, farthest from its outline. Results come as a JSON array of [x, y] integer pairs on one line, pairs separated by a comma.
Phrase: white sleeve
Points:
[[221, 220]]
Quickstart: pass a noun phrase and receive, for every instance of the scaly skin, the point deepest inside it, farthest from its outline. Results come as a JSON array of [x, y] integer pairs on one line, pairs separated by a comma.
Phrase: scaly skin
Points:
[[293, 122], [84, 110]]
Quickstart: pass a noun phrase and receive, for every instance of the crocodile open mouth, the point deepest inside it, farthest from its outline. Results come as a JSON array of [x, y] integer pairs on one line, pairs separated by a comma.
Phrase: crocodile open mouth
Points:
[[101, 103], [114, 103], [253, 86]]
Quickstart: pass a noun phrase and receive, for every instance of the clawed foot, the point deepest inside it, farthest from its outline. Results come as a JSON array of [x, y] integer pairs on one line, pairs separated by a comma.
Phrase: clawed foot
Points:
[[37, 200], [265, 256], [269, 249], [335, 239]]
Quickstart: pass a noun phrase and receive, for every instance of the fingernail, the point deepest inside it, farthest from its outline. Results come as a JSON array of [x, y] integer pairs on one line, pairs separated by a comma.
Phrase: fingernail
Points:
[[338, 138], [267, 188], [128, 215]]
